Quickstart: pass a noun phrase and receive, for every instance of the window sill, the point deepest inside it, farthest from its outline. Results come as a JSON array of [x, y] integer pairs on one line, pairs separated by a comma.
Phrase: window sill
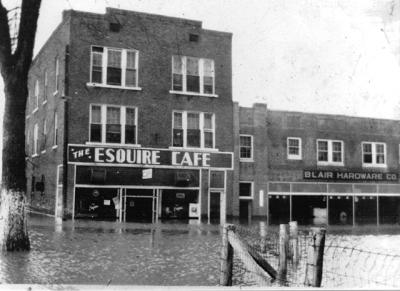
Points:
[[44, 102], [193, 94], [246, 160], [294, 158], [43, 152], [330, 164], [54, 147], [55, 93], [27, 117], [193, 149], [113, 144], [246, 198], [374, 165], [35, 155], [113, 87], [35, 110]]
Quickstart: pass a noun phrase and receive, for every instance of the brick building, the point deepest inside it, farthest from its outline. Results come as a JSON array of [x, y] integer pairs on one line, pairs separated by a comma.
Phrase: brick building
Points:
[[130, 109], [130, 117], [318, 168]]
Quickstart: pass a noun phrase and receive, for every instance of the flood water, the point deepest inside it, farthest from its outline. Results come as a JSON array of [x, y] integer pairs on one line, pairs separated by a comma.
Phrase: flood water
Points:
[[93, 252]]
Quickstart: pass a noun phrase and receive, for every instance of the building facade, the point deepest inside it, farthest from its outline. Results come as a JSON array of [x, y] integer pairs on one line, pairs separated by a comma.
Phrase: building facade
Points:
[[318, 168], [130, 117]]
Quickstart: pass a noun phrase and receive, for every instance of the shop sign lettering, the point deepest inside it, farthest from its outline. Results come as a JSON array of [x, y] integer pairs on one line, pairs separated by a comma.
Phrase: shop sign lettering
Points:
[[349, 176], [148, 157]]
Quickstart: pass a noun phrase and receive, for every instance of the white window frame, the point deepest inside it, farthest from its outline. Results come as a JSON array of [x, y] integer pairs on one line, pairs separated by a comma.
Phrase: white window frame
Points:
[[252, 191], [330, 161], [45, 88], [57, 73], [36, 95], [201, 77], [251, 159], [44, 135], [373, 148], [123, 68], [103, 109], [35, 140], [201, 125], [55, 133], [292, 156]]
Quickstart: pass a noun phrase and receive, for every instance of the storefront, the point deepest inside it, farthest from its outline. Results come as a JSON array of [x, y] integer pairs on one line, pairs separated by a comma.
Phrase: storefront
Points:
[[148, 185], [336, 197]]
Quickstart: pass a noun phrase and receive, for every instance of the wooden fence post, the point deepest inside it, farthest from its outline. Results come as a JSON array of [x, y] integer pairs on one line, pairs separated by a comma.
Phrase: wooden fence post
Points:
[[315, 257], [294, 241], [226, 257], [283, 251], [263, 236]]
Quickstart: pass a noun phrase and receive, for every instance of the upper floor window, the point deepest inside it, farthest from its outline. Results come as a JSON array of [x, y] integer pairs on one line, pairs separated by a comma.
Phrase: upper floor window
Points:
[[36, 92], [193, 75], [294, 148], [44, 136], [246, 190], [330, 152], [114, 67], [113, 124], [55, 136], [57, 72], [35, 139], [45, 87], [246, 147], [193, 129], [373, 154]]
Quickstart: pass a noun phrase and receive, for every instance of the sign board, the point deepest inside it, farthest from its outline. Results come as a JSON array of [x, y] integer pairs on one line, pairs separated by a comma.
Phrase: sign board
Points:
[[147, 174], [350, 176], [148, 157]]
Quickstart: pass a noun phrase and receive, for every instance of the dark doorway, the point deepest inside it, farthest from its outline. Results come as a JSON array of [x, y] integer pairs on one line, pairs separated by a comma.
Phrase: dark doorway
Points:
[[139, 205], [279, 209], [215, 206], [366, 209], [309, 209], [340, 209], [245, 210]]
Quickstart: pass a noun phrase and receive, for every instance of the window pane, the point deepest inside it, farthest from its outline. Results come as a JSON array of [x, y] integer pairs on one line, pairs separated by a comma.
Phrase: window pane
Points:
[[245, 141], [193, 83], [337, 157], [113, 115], [113, 128], [177, 138], [208, 121], [367, 148], [114, 58], [208, 140], [177, 82], [114, 67], [245, 152], [322, 145], [380, 149], [193, 121], [208, 85], [193, 138], [208, 68], [337, 146], [380, 159], [245, 189], [323, 156], [177, 120], [367, 158], [293, 151], [131, 59], [192, 66], [177, 65], [95, 132], [130, 134], [96, 114], [293, 142], [130, 78], [130, 116], [192, 72]]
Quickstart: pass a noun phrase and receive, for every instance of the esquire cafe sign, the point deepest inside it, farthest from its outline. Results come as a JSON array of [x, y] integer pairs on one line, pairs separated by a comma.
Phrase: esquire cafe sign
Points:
[[349, 176], [148, 157]]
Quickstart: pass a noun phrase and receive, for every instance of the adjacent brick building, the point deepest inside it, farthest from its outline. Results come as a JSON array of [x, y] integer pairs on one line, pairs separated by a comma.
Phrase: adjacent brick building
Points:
[[130, 117]]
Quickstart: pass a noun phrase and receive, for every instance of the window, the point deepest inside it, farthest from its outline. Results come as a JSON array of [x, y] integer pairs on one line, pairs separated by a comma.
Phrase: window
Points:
[[246, 190], [55, 137], [373, 154], [114, 67], [35, 140], [45, 88], [36, 95], [246, 148], [44, 136], [193, 129], [294, 148], [330, 152], [192, 75], [57, 72], [113, 124]]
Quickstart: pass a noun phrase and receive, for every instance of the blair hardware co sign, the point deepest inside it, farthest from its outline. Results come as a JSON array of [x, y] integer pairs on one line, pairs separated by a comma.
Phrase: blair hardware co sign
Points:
[[148, 157], [350, 176]]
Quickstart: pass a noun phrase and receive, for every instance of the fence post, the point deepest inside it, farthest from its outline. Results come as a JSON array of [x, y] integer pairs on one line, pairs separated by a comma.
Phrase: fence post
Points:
[[315, 257], [263, 236], [283, 251], [294, 241], [226, 257]]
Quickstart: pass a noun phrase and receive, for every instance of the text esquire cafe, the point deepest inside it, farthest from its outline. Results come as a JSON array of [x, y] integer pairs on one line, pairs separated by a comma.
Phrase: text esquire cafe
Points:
[[148, 184]]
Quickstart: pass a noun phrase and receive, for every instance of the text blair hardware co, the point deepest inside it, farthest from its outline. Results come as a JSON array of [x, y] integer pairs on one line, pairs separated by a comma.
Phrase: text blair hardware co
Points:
[[350, 176], [148, 157]]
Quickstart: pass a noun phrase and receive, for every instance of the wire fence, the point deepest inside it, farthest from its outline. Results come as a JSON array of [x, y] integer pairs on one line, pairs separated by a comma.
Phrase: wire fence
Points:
[[346, 263]]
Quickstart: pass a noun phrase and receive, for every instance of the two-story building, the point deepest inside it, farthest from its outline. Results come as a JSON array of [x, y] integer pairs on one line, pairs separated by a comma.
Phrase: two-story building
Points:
[[130, 117], [318, 168]]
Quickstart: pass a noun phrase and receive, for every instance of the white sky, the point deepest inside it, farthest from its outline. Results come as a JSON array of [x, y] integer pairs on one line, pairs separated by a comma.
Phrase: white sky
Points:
[[330, 56]]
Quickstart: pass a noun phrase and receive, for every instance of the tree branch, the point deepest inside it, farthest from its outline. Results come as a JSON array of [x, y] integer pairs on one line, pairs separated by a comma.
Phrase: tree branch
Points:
[[26, 34], [5, 40]]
